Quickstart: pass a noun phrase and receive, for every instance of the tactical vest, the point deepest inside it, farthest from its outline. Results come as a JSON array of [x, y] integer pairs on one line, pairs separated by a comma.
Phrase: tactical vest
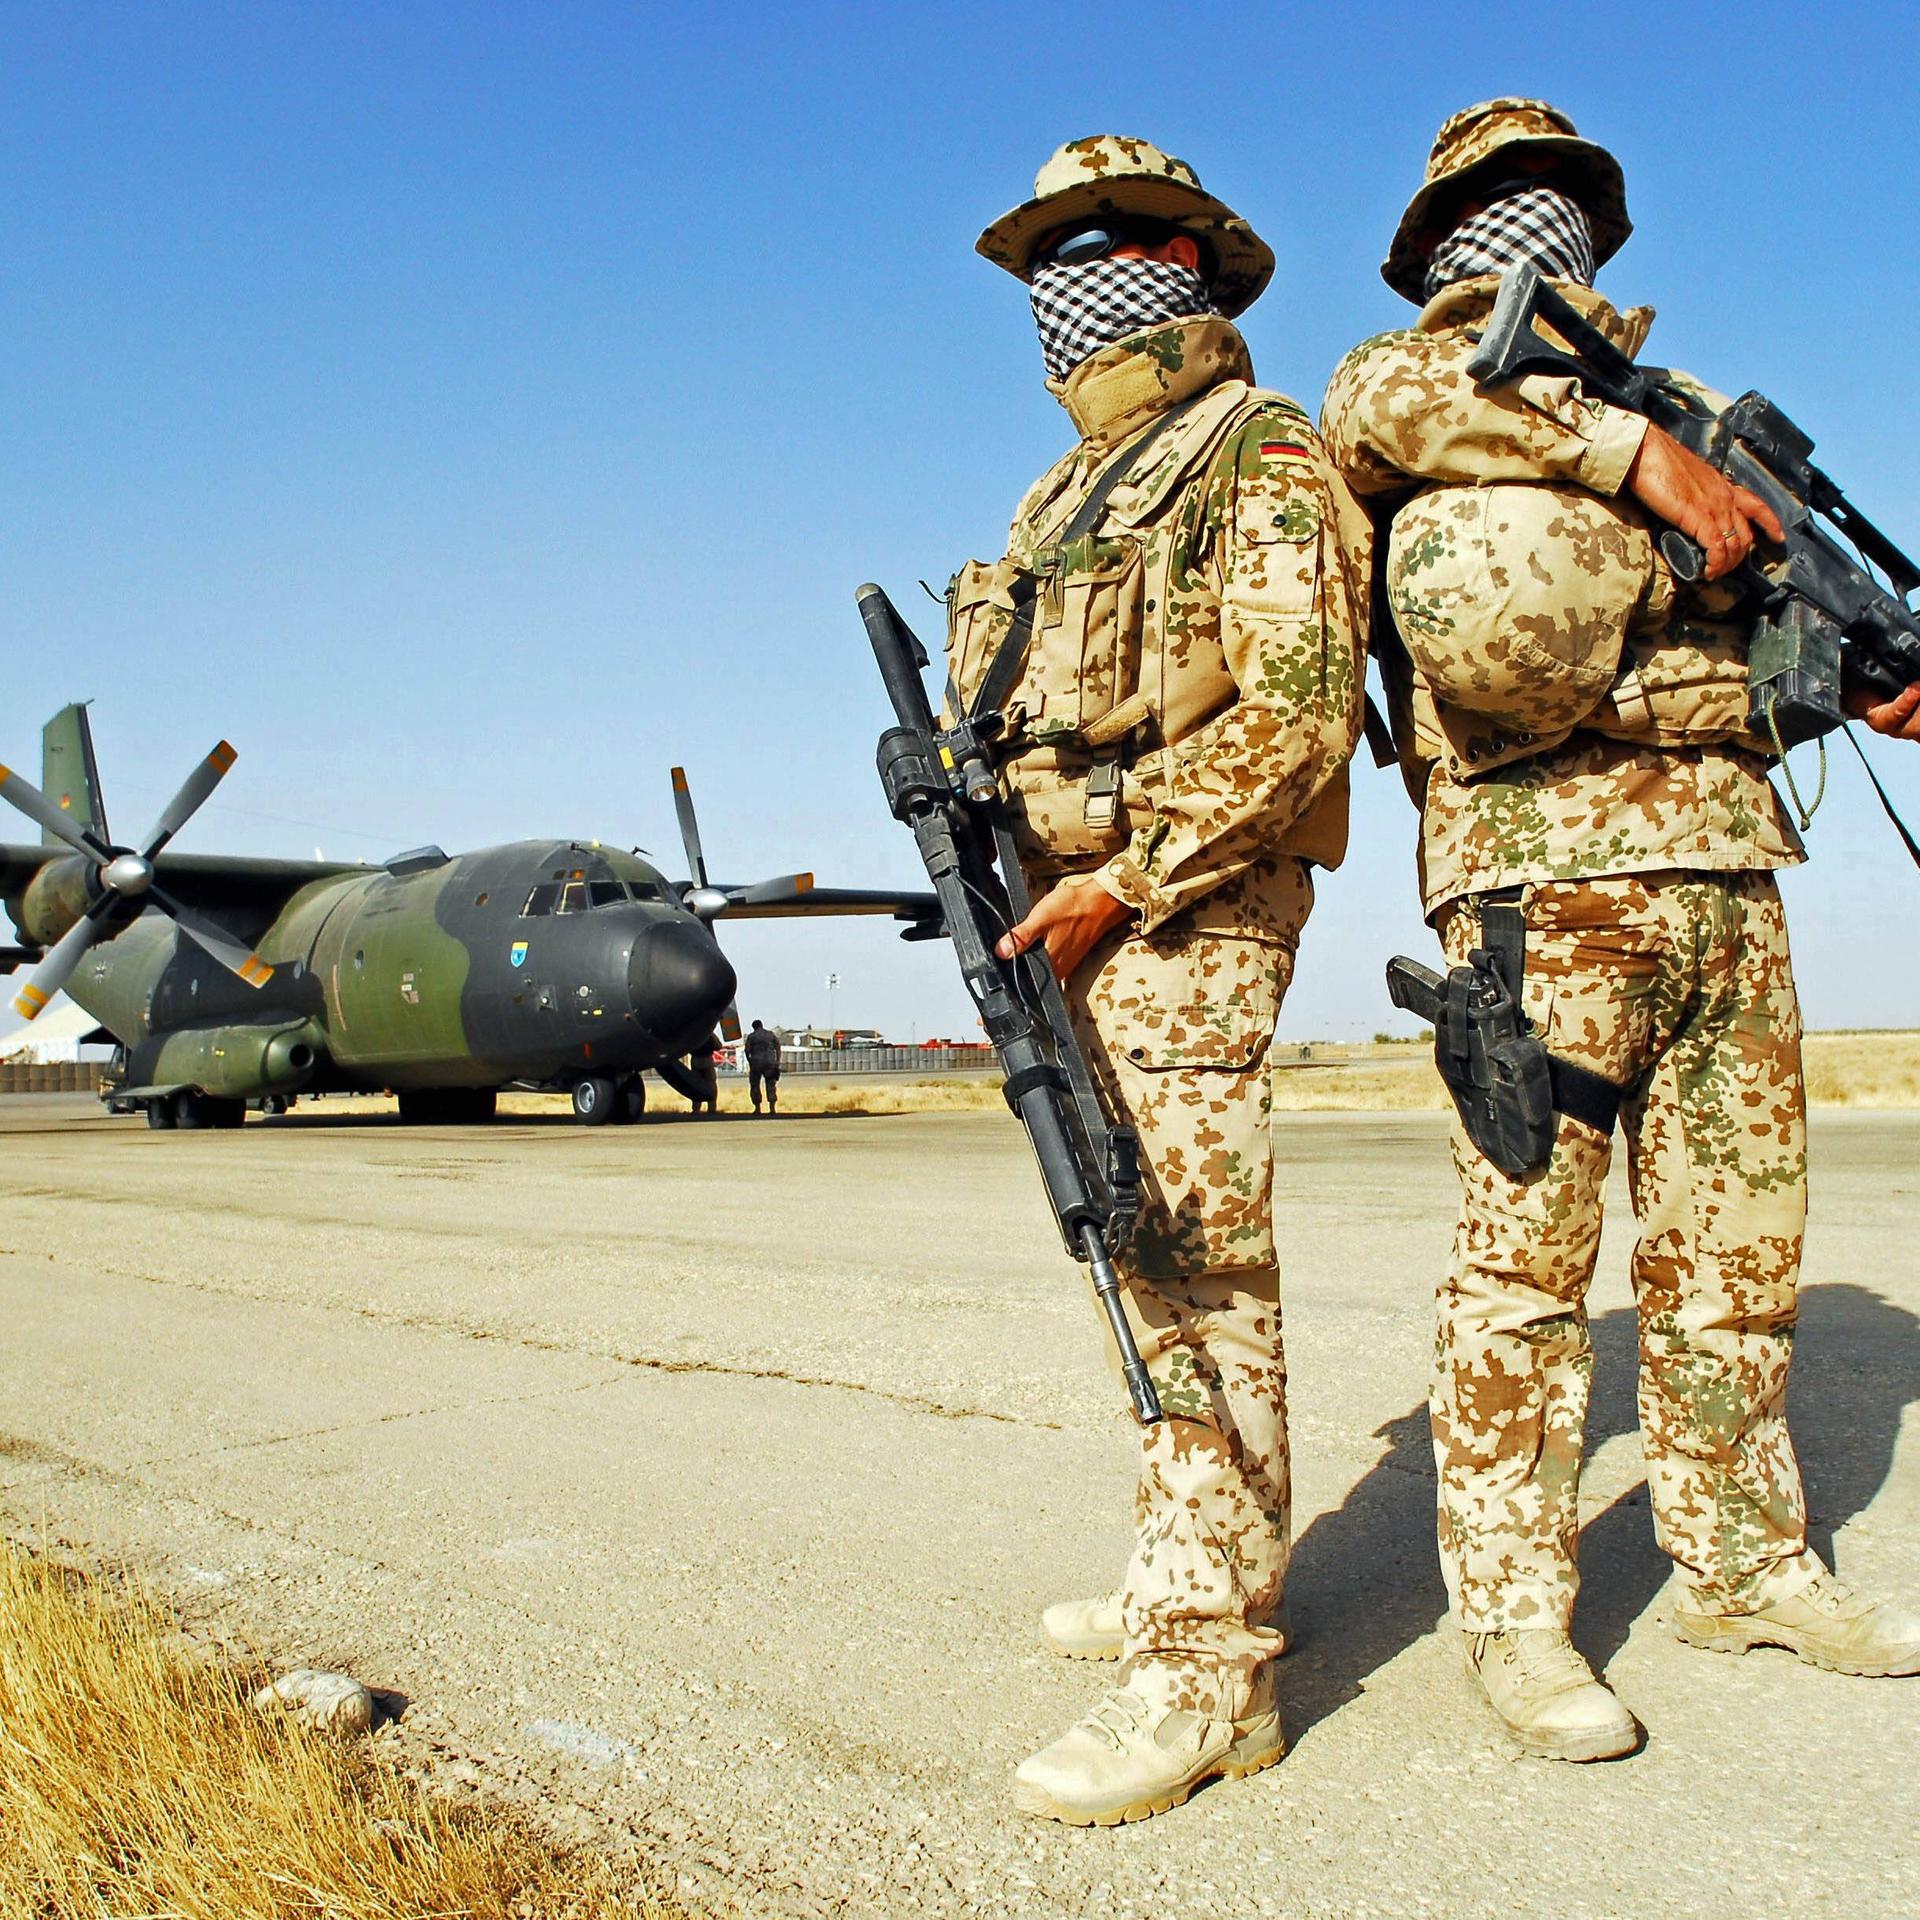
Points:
[[1529, 613], [1101, 697]]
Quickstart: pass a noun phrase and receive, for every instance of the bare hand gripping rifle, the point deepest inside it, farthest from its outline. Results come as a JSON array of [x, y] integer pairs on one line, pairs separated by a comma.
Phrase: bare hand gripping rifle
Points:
[[940, 783], [1821, 618]]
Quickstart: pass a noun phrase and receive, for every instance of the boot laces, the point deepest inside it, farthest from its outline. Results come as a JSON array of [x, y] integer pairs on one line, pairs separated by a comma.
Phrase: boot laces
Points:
[[1541, 1657], [1830, 1594], [1120, 1718]]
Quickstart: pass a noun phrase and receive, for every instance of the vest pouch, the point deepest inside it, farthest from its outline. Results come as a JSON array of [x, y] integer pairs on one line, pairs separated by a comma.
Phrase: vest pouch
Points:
[[1515, 602], [979, 612], [1046, 790], [1084, 658], [1684, 688]]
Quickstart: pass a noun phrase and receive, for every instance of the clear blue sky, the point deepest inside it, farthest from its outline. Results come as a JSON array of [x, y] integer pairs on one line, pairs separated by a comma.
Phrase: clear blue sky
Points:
[[472, 410]]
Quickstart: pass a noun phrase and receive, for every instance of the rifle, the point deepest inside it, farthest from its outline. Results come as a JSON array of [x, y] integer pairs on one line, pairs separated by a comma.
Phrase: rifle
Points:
[[1821, 619], [941, 784]]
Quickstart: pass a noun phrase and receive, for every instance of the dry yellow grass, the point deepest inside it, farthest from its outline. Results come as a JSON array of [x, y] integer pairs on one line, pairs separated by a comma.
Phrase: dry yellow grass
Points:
[[135, 1780], [1865, 1069], [1860, 1069], [1873, 1069]]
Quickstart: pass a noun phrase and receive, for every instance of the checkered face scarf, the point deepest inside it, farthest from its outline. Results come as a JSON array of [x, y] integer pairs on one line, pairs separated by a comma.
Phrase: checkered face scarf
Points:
[[1537, 226], [1081, 309]]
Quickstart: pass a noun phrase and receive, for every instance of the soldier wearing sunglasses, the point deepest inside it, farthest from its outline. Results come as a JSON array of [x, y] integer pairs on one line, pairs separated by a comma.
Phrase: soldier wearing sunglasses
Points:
[[1174, 639]]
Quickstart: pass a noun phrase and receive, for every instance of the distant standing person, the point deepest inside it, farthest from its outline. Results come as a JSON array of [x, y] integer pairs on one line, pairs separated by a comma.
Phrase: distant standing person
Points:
[[704, 1077], [763, 1067]]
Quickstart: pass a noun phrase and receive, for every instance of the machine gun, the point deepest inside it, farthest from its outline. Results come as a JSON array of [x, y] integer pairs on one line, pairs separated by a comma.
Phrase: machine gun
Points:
[[1821, 618], [941, 784]]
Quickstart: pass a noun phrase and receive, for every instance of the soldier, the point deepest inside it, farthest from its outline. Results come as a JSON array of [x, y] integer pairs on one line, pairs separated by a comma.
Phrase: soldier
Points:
[[1174, 638], [1574, 729], [703, 1075], [763, 1067]]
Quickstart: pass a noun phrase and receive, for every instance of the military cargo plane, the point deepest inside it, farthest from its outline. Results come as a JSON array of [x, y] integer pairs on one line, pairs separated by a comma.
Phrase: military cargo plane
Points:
[[555, 964]]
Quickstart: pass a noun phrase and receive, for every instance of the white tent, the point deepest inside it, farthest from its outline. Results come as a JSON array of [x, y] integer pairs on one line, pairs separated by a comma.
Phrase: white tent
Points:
[[56, 1035]]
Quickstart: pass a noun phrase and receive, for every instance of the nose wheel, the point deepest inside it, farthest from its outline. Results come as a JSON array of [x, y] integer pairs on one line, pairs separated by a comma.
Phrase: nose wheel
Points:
[[596, 1100]]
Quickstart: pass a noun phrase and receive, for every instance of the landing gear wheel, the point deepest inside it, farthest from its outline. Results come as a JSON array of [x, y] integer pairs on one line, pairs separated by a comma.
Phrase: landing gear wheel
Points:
[[273, 1105], [192, 1111], [633, 1099], [595, 1100], [161, 1116], [228, 1113]]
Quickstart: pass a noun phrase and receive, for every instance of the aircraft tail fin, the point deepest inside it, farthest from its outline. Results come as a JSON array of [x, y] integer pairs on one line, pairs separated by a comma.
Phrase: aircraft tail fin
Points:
[[68, 774]]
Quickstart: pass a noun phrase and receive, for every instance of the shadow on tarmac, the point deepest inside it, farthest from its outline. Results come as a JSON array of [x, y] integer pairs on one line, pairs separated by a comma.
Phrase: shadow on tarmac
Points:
[[1856, 1369]]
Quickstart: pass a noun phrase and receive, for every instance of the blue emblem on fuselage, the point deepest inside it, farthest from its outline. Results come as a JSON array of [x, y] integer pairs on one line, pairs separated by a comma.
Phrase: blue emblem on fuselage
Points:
[[517, 953]]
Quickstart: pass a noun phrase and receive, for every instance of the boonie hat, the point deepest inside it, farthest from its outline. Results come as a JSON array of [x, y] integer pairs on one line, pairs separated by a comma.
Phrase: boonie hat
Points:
[[1111, 174], [1480, 144]]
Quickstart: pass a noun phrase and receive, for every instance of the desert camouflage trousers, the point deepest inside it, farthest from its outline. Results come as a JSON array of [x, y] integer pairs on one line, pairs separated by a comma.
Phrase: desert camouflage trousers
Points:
[[1678, 985], [1179, 1026]]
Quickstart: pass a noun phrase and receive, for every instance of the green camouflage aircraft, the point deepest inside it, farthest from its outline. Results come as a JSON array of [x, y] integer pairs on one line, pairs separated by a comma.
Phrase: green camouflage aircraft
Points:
[[555, 964]]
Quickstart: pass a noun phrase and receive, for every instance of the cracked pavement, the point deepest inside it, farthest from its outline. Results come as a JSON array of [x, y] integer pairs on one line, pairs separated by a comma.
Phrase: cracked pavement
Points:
[[705, 1480]]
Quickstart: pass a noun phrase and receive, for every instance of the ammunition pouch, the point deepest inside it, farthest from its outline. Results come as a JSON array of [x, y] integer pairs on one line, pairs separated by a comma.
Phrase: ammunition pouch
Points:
[[1505, 1085]]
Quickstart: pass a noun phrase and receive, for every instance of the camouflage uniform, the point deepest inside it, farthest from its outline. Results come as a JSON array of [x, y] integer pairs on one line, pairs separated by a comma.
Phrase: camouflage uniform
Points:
[[1180, 730], [1586, 743]]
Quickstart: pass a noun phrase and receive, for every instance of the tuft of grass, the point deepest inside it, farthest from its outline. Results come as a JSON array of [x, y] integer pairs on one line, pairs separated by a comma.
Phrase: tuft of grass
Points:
[[135, 1780]]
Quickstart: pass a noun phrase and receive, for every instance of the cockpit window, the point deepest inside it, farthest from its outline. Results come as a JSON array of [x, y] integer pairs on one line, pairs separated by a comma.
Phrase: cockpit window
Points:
[[605, 893], [645, 890], [540, 901], [573, 897]]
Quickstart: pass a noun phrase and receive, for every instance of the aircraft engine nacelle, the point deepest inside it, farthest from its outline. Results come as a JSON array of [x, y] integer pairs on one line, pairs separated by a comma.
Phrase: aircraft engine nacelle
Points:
[[55, 898], [238, 1063]]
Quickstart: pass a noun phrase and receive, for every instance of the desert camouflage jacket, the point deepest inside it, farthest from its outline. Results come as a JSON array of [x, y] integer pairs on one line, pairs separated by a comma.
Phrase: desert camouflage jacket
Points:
[[1203, 641], [1402, 412]]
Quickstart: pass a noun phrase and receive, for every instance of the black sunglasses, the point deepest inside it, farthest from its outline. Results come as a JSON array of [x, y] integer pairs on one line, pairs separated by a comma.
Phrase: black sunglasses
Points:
[[1078, 245]]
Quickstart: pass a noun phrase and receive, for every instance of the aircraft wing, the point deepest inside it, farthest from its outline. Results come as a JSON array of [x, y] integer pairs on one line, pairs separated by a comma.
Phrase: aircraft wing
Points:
[[206, 879], [795, 895], [216, 880]]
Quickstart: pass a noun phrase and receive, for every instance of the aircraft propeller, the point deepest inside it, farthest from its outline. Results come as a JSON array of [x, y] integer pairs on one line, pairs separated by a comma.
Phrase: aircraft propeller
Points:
[[126, 878], [702, 898]]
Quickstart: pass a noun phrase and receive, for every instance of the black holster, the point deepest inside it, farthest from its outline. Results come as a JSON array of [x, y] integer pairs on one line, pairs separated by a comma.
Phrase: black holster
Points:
[[1505, 1084]]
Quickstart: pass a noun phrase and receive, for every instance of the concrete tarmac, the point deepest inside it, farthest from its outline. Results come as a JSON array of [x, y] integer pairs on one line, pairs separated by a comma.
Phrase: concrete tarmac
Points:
[[706, 1479]]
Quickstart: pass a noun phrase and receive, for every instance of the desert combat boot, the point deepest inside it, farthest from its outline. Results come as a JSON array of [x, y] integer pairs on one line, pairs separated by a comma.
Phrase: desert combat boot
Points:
[[1091, 1630], [1826, 1623], [1540, 1685], [1130, 1758]]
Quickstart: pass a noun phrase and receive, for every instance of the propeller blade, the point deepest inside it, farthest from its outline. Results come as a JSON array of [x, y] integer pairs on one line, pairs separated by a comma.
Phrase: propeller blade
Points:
[[188, 801], [730, 1022], [43, 813], [766, 893], [689, 827], [235, 955], [56, 969]]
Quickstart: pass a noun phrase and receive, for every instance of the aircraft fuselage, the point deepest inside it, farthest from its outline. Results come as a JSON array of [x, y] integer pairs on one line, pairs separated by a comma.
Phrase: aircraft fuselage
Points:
[[541, 962]]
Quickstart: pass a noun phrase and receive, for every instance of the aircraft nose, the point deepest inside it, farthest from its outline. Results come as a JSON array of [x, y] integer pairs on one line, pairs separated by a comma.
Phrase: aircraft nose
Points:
[[678, 981]]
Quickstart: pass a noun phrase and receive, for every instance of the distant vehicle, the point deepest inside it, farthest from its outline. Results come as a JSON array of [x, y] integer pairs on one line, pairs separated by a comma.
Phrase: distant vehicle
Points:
[[554, 964]]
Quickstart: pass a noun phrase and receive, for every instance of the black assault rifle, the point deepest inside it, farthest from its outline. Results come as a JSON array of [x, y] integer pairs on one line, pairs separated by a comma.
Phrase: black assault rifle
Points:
[[942, 785], [1821, 620]]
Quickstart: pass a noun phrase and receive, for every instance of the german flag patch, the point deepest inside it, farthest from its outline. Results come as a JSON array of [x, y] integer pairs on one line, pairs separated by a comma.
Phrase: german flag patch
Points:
[[1285, 450]]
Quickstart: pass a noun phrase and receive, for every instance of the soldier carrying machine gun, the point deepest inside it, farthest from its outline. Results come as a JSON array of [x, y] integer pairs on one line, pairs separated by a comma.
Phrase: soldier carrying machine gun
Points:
[[1821, 623]]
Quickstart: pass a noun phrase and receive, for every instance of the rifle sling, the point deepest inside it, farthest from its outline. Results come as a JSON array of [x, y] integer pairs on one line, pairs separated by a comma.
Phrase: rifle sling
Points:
[[1578, 1092], [1004, 670], [1886, 805]]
